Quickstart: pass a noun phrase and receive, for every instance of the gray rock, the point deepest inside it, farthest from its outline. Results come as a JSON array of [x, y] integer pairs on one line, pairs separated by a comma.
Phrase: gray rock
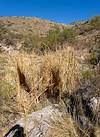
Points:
[[40, 124]]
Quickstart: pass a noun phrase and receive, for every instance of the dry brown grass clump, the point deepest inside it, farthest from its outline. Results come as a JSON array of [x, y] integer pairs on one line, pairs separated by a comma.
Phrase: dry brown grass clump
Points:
[[39, 80], [51, 74]]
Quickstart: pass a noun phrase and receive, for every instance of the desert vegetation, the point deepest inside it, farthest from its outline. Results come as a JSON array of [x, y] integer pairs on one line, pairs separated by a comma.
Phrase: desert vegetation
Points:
[[95, 22], [35, 78], [59, 67], [54, 40]]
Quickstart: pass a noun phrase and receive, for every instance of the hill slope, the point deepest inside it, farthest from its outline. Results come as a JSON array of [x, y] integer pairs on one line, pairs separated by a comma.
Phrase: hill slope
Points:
[[44, 63]]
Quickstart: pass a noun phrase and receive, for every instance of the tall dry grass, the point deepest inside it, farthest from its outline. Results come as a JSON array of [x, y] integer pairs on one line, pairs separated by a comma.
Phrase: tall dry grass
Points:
[[62, 127], [38, 80], [50, 75]]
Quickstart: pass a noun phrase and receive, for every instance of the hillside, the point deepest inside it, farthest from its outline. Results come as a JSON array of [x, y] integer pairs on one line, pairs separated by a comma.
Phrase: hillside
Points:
[[29, 33], [29, 24], [43, 63]]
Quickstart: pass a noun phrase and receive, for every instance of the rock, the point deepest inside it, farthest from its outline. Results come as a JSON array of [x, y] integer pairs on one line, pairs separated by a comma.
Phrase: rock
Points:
[[84, 107], [48, 122]]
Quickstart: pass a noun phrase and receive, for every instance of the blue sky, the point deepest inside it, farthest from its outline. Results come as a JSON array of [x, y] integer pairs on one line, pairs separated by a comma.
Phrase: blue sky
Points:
[[65, 11]]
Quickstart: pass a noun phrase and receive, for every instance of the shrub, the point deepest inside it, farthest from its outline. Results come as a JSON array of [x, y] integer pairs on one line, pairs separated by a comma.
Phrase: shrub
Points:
[[88, 74], [44, 74], [94, 58], [7, 36], [57, 37], [67, 35], [52, 41], [95, 52], [88, 26], [53, 37], [95, 22], [31, 42], [3, 31]]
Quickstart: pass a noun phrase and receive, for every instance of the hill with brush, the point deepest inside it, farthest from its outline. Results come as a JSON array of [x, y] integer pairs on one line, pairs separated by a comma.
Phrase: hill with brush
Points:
[[49, 78]]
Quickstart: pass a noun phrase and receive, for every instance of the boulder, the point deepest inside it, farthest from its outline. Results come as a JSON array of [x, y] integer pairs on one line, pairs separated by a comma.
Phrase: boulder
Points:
[[51, 121]]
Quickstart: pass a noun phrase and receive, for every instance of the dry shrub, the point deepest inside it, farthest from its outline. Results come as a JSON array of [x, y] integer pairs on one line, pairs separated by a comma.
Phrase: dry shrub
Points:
[[64, 65], [51, 74], [63, 127], [25, 70]]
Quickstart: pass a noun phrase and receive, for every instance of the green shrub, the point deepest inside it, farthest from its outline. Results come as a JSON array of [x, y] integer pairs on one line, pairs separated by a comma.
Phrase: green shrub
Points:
[[67, 35], [88, 74], [53, 37], [57, 37], [94, 58]]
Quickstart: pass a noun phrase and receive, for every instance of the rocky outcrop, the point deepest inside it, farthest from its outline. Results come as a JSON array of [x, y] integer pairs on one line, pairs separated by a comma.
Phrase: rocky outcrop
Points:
[[49, 122], [84, 107]]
